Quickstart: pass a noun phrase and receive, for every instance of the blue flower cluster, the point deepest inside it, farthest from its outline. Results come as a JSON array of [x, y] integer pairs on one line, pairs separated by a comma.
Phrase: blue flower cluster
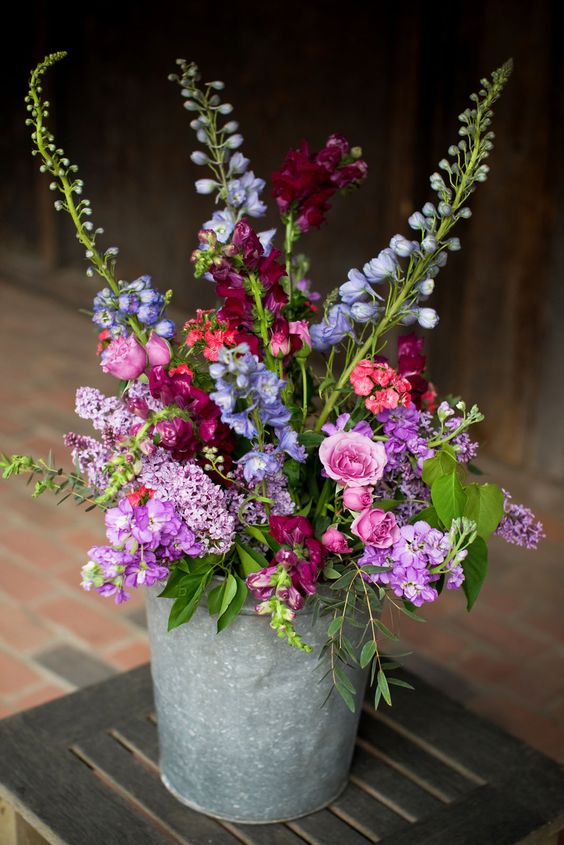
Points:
[[247, 392], [137, 298]]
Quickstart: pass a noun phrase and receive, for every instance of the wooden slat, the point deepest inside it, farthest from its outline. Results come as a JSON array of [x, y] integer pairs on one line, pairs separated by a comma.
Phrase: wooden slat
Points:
[[367, 815], [128, 775], [264, 834], [325, 828], [390, 786], [140, 735], [61, 797], [429, 772], [488, 816]]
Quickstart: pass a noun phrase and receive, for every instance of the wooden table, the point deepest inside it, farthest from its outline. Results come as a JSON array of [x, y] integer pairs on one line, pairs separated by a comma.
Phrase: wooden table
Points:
[[82, 770]]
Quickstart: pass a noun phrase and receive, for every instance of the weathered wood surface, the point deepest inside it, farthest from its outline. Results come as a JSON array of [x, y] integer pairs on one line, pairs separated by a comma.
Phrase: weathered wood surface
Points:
[[84, 770]]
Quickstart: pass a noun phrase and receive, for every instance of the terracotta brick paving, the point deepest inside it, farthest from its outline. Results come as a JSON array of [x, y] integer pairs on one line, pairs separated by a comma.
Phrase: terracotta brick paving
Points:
[[505, 660]]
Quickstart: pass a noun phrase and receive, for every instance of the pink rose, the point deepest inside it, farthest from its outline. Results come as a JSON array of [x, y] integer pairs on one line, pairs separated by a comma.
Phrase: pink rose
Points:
[[158, 351], [300, 329], [352, 459], [335, 541], [357, 498], [125, 358], [376, 527]]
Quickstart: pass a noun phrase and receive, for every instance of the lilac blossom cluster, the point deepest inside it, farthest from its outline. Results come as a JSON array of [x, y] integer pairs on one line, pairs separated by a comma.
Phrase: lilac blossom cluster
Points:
[[249, 510], [519, 525], [90, 457], [145, 539], [201, 503], [239, 375], [112, 311], [415, 562]]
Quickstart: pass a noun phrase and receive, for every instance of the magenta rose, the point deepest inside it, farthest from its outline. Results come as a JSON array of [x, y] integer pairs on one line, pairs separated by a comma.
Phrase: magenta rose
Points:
[[125, 358], [376, 527], [352, 459], [357, 498], [158, 351], [335, 541]]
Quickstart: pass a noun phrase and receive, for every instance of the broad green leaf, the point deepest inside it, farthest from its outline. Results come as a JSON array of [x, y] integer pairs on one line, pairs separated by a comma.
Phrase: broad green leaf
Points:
[[475, 566], [235, 605], [330, 572], [367, 653], [448, 497], [292, 471], [228, 591], [485, 506], [171, 587], [306, 508], [310, 439], [214, 600], [386, 504], [384, 688], [428, 515], [251, 560], [336, 625], [441, 464], [263, 537], [183, 608]]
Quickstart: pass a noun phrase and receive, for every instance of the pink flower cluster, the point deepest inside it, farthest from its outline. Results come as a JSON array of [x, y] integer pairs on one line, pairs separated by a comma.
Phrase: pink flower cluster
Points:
[[210, 333], [383, 387]]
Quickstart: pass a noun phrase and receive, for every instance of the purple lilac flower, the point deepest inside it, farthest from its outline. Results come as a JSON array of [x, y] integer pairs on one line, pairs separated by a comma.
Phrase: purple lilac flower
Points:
[[254, 512], [107, 414], [200, 503], [91, 457], [519, 525]]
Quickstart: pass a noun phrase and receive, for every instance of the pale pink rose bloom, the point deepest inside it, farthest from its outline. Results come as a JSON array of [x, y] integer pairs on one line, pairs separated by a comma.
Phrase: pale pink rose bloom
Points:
[[376, 527], [335, 541], [352, 459], [125, 358], [158, 350], [357, 498]]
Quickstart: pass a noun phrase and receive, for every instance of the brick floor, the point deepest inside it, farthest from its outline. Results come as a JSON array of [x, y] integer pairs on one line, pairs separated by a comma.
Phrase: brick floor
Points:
[[504, 660]]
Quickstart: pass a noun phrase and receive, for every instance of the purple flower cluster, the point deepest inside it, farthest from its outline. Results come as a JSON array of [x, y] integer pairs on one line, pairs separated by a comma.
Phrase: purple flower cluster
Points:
[[108, 414], [145, 539], [91, 457], [254, 512], [241, 378], [519, 525], [414, 563], [203, 505], [112, 311]]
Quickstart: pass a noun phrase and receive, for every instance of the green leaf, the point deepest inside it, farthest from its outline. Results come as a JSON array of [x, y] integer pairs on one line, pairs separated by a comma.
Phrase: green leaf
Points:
[[346, 695], [262, 536], [386, 631], [475, 566], [386, 504], [384, 688], [177, 584], [251, 560], [428, 515], [336, 625], [440, 464], [214, 600], [228, 591], [343, 679], [306, 508], [448, 497], [183, 608], [485, 506], [310, 439], [330, 572], [344, 581], [367, 653], [292, 471], [399, 682], [234, 608]]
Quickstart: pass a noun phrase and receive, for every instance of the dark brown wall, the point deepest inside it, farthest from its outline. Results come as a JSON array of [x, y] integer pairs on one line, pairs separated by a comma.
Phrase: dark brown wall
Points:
[[394, 85]]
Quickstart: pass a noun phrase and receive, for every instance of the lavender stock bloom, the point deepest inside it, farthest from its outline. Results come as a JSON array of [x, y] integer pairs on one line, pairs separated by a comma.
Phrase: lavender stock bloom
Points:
[[519, 525]]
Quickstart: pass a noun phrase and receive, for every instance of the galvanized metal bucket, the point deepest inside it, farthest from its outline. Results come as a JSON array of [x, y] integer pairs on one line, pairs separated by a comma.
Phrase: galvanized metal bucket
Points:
[[246, 731]]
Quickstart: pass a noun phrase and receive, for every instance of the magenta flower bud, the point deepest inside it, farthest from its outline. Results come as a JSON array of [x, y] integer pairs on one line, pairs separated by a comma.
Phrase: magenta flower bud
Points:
[[125, 358], [357, 498], [136, 405], [158, 351]]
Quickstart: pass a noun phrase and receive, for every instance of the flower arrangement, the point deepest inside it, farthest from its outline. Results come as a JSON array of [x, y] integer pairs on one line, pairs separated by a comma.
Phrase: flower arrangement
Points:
[[276, 446]]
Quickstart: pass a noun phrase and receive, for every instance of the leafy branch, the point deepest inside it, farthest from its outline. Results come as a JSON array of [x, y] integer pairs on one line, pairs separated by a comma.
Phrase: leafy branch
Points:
[[52, 478]]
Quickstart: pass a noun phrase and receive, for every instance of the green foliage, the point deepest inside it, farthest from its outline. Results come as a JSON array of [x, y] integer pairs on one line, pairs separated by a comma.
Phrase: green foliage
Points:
[[475, 567], [251, 560], [484, 505], [448, 497]]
